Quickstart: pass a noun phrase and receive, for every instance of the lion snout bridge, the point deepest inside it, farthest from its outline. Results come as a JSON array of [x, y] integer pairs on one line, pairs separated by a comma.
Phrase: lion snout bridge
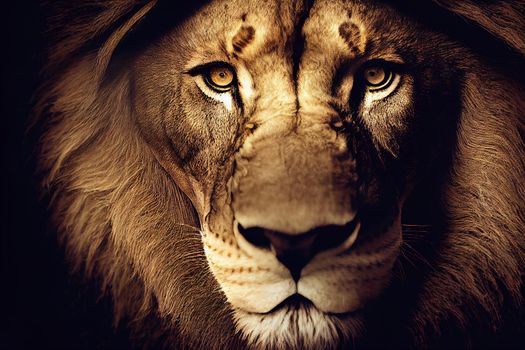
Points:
[[294, 184]]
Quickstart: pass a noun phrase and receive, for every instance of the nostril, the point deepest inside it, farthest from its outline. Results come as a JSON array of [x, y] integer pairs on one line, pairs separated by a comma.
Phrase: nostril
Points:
[[255, 235], [332, 236], [295, 251]]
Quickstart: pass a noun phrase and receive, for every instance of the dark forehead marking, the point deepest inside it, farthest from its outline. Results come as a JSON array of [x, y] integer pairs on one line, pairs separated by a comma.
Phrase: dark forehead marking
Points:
[[243, 37], [351, 35]]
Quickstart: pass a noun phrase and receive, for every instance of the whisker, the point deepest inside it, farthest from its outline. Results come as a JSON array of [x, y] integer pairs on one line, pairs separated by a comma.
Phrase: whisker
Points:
[[416, 225], [415, 232], [190, 227], [413, 255]]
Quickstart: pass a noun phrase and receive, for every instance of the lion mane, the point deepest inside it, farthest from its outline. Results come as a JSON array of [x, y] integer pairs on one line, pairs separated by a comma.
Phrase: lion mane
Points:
[[120, 215]]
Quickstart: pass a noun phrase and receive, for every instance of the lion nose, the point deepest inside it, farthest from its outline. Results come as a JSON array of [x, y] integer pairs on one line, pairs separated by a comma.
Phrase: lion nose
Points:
[[295, 251]]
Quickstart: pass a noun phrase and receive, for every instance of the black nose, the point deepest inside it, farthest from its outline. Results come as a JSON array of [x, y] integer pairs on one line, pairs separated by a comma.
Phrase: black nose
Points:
[[295, 251]]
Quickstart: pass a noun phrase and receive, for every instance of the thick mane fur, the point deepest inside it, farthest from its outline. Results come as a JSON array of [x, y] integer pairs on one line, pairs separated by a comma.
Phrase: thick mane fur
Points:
[[124, 221], [504, 19], [481, 255]]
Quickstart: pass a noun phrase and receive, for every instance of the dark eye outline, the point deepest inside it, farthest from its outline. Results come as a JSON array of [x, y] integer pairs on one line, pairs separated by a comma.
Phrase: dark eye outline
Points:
[[383, 84], [205, 71], [391, 70]]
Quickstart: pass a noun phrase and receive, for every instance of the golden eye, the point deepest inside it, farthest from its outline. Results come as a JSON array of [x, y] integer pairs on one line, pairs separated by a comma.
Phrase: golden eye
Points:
[[377, 77], [220, 78]]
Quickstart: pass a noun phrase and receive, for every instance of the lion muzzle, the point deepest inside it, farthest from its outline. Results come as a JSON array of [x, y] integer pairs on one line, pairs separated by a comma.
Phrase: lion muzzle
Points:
[[293, 195]]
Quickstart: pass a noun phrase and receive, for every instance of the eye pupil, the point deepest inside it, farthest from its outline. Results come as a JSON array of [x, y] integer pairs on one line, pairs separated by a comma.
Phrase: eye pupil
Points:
[[377, 77], [220, 78]]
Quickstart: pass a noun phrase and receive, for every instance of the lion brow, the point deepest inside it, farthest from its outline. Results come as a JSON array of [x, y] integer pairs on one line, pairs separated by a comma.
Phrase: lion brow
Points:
[[243, 38]]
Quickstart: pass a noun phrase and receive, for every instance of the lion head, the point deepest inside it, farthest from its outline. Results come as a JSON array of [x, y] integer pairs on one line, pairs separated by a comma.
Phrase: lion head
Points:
[[245, 177]]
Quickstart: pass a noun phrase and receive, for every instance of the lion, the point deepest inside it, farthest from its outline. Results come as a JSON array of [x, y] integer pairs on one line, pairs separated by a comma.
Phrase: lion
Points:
[[319, 174]]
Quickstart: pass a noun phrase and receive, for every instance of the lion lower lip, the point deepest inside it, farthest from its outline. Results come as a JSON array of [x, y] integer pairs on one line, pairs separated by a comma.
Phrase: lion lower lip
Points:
[[294, 301], [297, 301]]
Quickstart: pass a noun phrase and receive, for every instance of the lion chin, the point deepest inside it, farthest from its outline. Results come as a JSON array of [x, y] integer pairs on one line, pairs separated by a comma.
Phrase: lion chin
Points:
[[298, 325], [288, 174]]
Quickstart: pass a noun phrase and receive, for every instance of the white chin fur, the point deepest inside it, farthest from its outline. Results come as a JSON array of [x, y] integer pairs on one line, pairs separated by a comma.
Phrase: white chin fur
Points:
[[297, 328]]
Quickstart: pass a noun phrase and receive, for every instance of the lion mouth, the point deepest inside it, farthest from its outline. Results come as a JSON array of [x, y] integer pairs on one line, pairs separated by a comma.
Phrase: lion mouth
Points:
[[297, 302], [293, 302]]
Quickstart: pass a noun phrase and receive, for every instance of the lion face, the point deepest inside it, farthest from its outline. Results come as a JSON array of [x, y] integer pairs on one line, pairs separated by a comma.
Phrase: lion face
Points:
[[290, 131], [244, 178]]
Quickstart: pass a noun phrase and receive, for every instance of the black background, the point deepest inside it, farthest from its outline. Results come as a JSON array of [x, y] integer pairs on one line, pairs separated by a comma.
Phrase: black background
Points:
[[42, 305]]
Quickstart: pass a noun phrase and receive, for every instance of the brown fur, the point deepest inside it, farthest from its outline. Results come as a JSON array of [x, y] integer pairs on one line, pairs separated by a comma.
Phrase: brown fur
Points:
[[243, 38], [350, 33], [121, 216], [504, 19]]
